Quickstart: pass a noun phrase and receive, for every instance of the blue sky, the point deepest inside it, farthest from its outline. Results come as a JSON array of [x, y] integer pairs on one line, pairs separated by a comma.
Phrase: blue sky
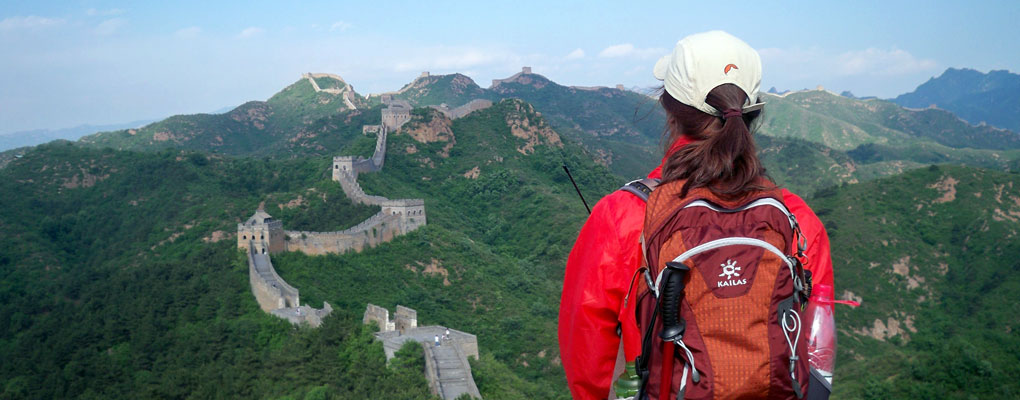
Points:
[[68, 63]]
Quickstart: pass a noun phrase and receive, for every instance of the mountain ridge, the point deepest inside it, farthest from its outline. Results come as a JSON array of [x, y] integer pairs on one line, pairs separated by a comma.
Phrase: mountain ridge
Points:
[[992, 97], [121, 278]]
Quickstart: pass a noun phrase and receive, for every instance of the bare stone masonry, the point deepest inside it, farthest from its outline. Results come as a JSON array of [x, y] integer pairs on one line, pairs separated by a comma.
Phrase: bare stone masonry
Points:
[[446, 365], [347, 92], [261, 235]]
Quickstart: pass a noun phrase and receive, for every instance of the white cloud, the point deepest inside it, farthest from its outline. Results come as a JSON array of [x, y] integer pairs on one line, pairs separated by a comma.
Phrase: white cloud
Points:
[[251, 31], [92, 12], [340, 26], [617, 50], [189, 32], [881, 62], [110, 26], [628, 50], [868, 62], [869, 71], [576, 54], [448, 58], [28, 22]]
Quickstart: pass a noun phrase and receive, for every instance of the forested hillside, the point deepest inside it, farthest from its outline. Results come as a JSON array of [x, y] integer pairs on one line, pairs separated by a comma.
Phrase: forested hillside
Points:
[[121, 278], [932, 255], [122, 275]]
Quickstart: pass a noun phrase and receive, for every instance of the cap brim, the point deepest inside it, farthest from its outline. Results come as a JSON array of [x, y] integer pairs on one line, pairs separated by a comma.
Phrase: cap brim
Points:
[[661, 68], [753, 107]]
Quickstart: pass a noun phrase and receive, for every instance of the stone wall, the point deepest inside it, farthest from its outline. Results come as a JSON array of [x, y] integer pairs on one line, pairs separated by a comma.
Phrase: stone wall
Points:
[[395, 117], [347, 92], [261, 235], [379, 316], [524, 71], [304, 314], [354, 166], [348, 182], [446, 363], [405, 318], [266, 236], [380, 228], [588, 88], [463, 110], [271, 291], [431, 369]]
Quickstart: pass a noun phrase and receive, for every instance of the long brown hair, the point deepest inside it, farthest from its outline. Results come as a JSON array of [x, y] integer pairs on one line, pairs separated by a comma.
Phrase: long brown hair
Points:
[[722, 154]]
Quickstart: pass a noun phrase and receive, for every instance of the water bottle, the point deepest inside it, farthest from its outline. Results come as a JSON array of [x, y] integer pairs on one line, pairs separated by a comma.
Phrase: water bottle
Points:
[[821, 344], [627, 384]]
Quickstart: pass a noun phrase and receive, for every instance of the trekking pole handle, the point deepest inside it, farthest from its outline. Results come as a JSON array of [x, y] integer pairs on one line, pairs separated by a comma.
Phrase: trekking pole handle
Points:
[[671, 294]]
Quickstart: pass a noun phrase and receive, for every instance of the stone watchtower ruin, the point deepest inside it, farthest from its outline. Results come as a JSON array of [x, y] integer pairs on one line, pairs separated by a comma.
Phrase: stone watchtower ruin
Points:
[[446, 350], [396, 114], [263, 232]]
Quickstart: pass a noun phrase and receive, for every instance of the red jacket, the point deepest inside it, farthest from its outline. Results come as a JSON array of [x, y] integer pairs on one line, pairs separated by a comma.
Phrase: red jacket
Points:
[[599, 269]]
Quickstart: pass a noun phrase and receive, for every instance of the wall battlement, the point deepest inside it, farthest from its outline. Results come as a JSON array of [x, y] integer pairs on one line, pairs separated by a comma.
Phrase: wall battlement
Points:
[[446, 361], [465, 109], [524, 71], [346, 92], [261, 235]]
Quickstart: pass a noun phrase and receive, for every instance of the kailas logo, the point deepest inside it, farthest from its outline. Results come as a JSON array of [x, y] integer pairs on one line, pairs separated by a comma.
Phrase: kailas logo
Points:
[[730, 270], [726, 70]]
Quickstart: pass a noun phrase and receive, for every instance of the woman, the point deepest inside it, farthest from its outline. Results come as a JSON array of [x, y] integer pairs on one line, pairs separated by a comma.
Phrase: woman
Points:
[[711, 83]]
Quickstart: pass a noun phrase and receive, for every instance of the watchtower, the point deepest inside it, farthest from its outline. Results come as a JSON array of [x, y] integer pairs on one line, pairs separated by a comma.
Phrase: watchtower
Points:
[[395, 116], [262, 231], [411, 213]]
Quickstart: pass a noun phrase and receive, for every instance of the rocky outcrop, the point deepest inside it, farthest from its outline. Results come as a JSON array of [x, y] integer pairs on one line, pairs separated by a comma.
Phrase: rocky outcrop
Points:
[[523, 123]]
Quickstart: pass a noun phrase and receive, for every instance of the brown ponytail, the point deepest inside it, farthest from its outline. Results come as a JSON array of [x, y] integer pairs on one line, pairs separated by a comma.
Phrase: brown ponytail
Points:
[[722, 155]]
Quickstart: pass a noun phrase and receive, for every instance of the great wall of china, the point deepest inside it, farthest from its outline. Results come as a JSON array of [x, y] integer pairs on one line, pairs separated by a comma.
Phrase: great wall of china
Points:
[[347, 92], [446, 350], [447, 369], [261, 235]]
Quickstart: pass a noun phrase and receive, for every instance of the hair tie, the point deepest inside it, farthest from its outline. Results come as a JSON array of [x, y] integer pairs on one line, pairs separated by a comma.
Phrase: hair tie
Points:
[[733, 112]]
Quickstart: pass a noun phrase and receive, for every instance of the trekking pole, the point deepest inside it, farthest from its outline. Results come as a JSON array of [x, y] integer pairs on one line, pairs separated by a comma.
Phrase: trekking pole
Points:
[[672, 293], [576, 188]]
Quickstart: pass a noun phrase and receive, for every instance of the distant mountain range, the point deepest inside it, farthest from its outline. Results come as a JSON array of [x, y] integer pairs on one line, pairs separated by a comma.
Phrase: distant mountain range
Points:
[[992, 98], [33, 137]]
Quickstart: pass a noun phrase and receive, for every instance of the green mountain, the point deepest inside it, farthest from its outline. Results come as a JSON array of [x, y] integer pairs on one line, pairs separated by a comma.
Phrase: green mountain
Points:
[[844, 123], [620, 128], [992, 97], [453, 90], [122, 278], [279, 126], [13, 140], [932, 255], [856, 139]]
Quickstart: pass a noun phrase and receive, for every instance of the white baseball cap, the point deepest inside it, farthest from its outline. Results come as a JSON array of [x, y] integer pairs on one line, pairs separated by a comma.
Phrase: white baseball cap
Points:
[[702, 61]]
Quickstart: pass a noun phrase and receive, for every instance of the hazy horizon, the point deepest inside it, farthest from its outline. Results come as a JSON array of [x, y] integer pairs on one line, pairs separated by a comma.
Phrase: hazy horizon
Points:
[[108, 62]]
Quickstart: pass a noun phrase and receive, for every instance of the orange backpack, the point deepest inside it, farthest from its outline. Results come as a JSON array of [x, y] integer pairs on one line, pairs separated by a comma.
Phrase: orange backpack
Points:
[[721, 295]]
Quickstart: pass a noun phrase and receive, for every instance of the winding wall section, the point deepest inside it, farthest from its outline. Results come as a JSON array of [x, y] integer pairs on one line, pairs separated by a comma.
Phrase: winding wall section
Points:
[[261, 235]]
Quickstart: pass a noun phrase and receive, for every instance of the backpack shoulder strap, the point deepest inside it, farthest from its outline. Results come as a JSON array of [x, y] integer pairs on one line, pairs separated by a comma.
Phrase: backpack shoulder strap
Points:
[[642, 188]]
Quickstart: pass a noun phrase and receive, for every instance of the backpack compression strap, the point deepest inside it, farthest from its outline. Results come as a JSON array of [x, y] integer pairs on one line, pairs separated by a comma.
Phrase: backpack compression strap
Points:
[[642, 188]]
